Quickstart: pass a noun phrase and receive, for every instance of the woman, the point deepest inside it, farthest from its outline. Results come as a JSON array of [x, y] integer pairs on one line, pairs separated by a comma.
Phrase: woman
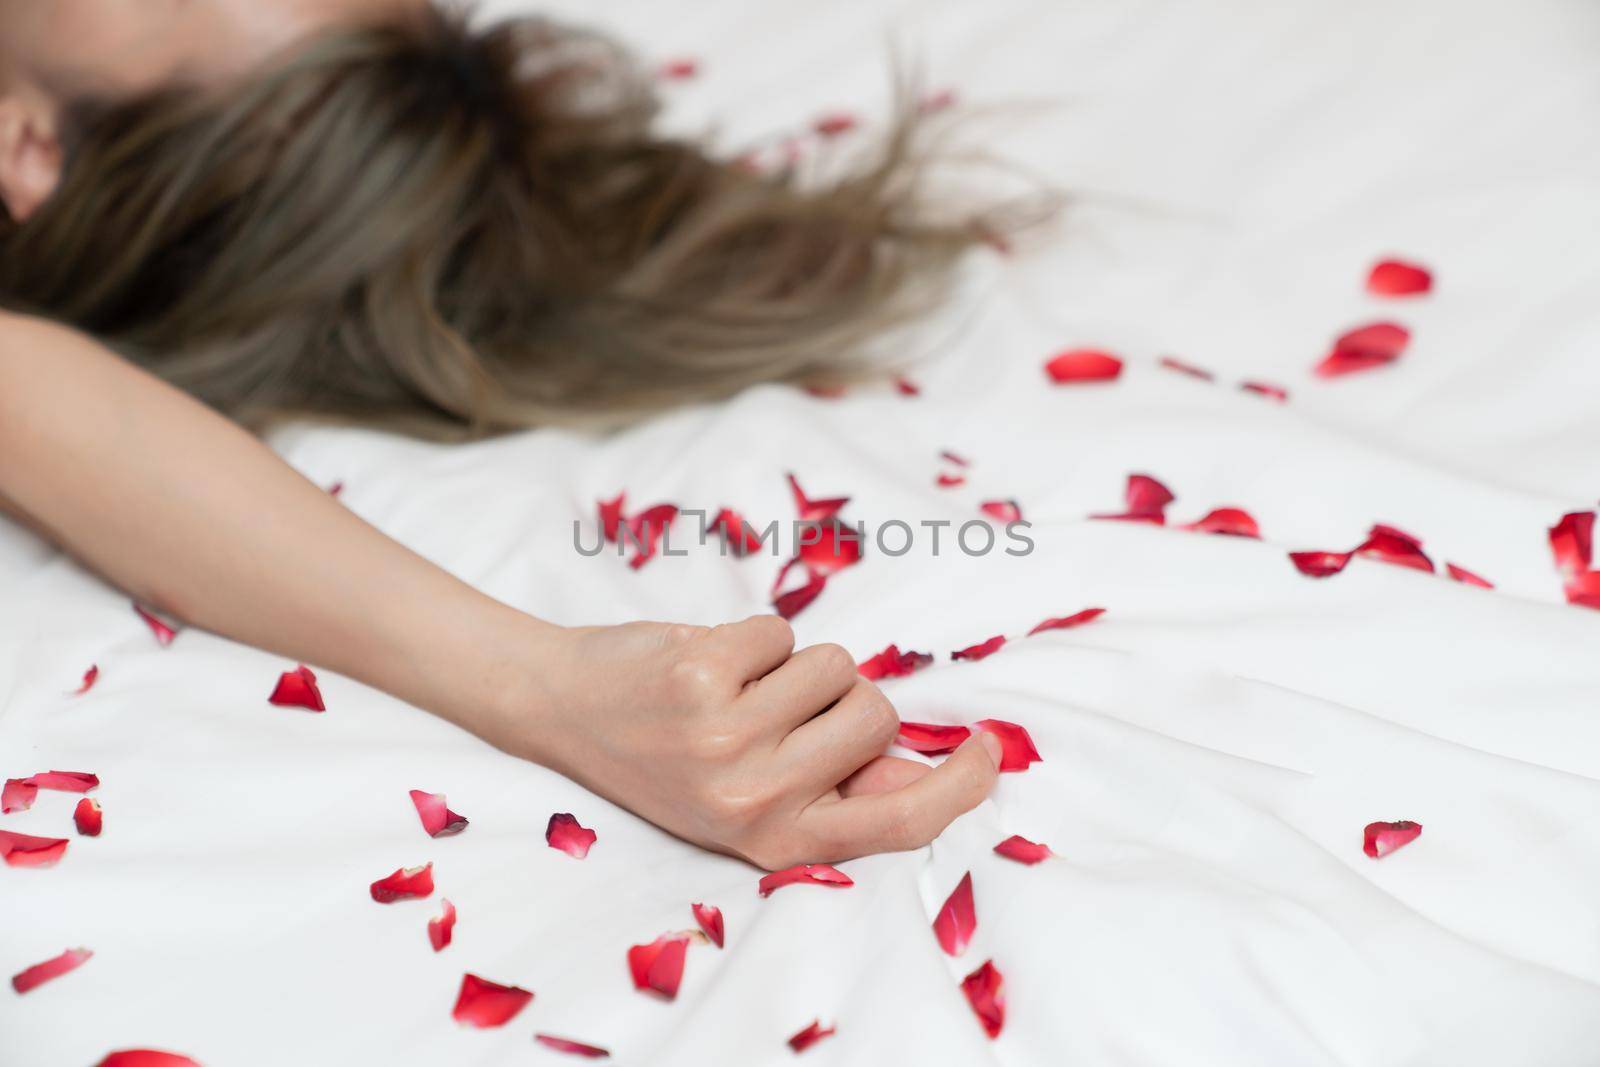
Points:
[[364, 211]]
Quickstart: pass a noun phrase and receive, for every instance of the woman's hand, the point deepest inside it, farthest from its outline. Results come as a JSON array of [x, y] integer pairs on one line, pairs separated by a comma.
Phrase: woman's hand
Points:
[[728, 738]]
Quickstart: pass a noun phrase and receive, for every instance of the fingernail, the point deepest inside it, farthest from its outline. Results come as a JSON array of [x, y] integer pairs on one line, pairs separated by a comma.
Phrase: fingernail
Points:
[[991, 745]]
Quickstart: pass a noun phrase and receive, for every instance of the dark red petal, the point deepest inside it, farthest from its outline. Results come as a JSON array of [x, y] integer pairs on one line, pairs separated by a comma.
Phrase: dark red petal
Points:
[[678, 69], [1364, 348], [1083, 365], [1389, 545], [1461, 574], [163, 632], [980, 650], [90, 676], [828, 547], [985, 990], [1572, 542], [1266, 389], [892, 663], [1231, 522], [297, 689], [611, 517], [834, 123], [658, 966], [815, 510], [88, 817], [647, 529], [18, 795], [740, 537], [813, 873], [25, 850], [931, 739], [565, 833], [441, 929], [1003, 510], [146, 1057], [1016, 747], [1379, 839], [810, 1036], [951, 481], [956, 921], [790, 604], [437, 819], [335, 489], [1394, 277], [576, 1048], [1067, 622], [407, 883], [1175, 364], [951, 457], [483, 1003], [710, 920], [40, 973], [1022, 850], [1320, 564], [907, 387]]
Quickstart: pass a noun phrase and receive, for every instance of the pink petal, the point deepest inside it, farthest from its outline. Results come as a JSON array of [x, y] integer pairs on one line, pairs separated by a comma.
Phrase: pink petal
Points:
[[18, 795], [1394, 277], [1231, 522], [951, 481], [980, 650], [407, 883], [565, 833], [65, 781], [834, 124], [1002, 510], [1266, 389], [826, 392], [658, 966], [297, 689], [957, 920], [810, 1036], [1067, 622], [88, 817], [740, 537], [1572, 542], [1320, 564], [441, 929], [985, 991], [1083, 365], [810, 510], [907, 387], [1174, 364], [1379, 839], [931, 739], [710, 920], [575, 1048], [146, 1057], [90, 676], [25, 850], [1389, 545], [40, 973], [437, 819], [611, 517], [1016, 747], [1022, 850], [1461, 574], [812, 873], [484, 1004], [892, 663], [1364, 348], [163, 632], [678, 69]]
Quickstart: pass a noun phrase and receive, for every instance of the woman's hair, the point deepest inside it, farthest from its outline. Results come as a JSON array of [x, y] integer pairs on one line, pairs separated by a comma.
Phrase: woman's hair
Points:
[[455, 231]]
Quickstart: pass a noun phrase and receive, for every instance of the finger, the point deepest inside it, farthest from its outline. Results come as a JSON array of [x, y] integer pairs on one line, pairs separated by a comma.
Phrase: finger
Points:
[[826, 750], [754, 647], [908, 817], [812, 679], [883, 775]]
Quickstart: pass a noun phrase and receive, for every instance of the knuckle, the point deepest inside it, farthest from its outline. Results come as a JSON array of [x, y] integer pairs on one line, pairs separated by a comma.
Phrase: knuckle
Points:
[[834, 661], [880, 722], [714, 746], [776, 627], [696, 676]]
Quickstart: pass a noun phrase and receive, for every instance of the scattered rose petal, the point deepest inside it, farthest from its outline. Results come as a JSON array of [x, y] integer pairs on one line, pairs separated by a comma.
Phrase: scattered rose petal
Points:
[[956, 921], [437, 819], [335, 489], [985, 990], [1364, 348], [1572, 545], [65, 781], [1067, 622], [826, 392], [736, 533], [980, 650], [1083, 365], [575, 1048], [1174, 364], [658, 966], [1395, 277], [827, 547], [1016, 747], [810, 1036], [951, 457], [146, 1057], [1146, 500], [1389, 545], [565, 833], [611, 517], [88, 817], [939, 100], [710, 920], [678, 70], [790, 604], [892, 663], [810, 510], [1461, 574], [297, 689], [648, 527], [1266, 389], [40, 973], [18, 795], [1022, 850], [834, 123], [1379, 839], [1584, 589], [90, 676], [407, 883], [483, 1003], [441, 929], [25, 850], [1319, 564], [907, 387], [1230, 522], [951, 481], [1002, 510], [931, 739], [813, 873], [163, 632]]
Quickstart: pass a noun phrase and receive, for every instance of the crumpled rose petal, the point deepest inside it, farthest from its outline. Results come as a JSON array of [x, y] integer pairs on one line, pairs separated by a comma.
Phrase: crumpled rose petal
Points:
[[298, 689], [1266, 389], [1364, 348], [678, 69], [1173, 363], [485, 1004], [710, 919], [65, 781], [1019, 848], [1002, 510], [1461, 574], [18, 795], [956, 458], [658, 966], [437, 818], [788, 605], [407, 883], [1584, 589], [1395, 277], [575, 1048], [146, 1057], [1078, 365], [565, 833], [931, 739], [834, 123], [810, 510], [611, 517], [1572, 542], [810, 1036], [1320, 564], [1389, 545], [957, 920], [892, 663], [1016, 747], [736, 533], [40, 973], [828, 548], [90, 676], [1067, 622], [985, 991], [980, 650], [163, 632], [25, 850], [1146, 500], [812, 873], [441, 929], [951, 481], [1379, 839], [648, 527], [88, 817], [1229, 522]]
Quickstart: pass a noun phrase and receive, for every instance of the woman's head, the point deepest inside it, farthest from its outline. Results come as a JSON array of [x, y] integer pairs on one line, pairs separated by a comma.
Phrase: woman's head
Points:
[[455, 230]]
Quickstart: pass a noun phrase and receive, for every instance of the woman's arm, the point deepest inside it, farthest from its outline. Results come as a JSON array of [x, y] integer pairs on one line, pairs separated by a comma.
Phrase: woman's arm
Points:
[[722, 735]]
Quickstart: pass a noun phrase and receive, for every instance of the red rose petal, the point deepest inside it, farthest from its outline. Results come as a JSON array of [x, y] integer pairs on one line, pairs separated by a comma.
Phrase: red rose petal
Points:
[[1461, 574], [25, 850], [297, 689], [1320, 564], [658, 966], [1174, 364], [647, 529], [437, 819], [65, 781], [1584, 589], [1022, 850], [810, 1036], [678, 69], [827, 547], [1083, 365], [1364, 348], [1067, 622], [1146, 500], [790, 604], [1395, 277], [17, 795], [907, 387], [1266, 389], [1379, 839], [1016, 747], [407, 883], [163, 632], [611, 517], [1572, 542], [484, 1004], [985, 991], [1230, 522], [575, 1048], [826, 392], [565, 833], [951, 481], [980, 650], [834, 123], [88, 817], [90, 676], [146, 1057], [951, 457], [931, 739], [814, 510], [957, 920], [892, 663], [736, 533], [813, 873], [1003, 510], [710, 920], [40, 973], [441, 929], [1389, 545]]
